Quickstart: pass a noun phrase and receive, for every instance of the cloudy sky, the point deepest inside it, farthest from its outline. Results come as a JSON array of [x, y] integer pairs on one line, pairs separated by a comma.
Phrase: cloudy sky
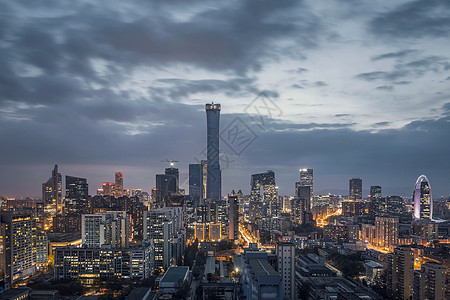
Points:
[[348, 88]]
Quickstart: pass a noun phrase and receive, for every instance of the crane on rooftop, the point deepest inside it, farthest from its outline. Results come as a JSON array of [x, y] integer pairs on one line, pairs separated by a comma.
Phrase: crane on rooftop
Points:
[[170, 162]]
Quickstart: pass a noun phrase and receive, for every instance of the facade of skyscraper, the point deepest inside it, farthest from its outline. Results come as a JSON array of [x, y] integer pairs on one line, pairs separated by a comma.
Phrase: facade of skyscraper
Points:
[[76, 194], [423, 199], [355, 189], [52, 192], [195, 183], [304, 192], [214, 176], [165, 185], [233, 219], [204, 164], [176, 174], [376, 206], [119, 184], [269, 198], [307, 178]]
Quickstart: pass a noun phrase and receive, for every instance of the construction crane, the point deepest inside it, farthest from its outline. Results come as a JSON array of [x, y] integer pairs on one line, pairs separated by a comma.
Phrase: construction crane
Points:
[[170, 162]]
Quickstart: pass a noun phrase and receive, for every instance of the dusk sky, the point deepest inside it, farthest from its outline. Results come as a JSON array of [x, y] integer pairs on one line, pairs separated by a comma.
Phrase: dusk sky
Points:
[[355, 88]]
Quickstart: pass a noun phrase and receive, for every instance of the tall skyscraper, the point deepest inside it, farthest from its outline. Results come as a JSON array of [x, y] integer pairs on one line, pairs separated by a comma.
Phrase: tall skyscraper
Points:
[[307, 178], [165, 185], [77, 193], [233, 212], [304, 192], [119, 184], [176, 174], [52, 191], [270, 193], [204, 164], [355, 189], [195, 183], [214, 177], [376, 205], [423, 199]]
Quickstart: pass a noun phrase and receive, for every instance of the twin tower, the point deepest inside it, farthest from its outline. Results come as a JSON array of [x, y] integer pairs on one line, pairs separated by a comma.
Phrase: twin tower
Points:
[[214, 175]]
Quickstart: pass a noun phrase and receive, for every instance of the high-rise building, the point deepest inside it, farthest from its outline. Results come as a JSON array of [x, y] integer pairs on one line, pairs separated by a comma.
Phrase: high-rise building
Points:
[[394, 205], [270, 193], [430, 282], [423, 199], [375, 206], [215, 232], [77, 193], [233, 220], [286, 268], [119, 184], [200, 232], [109, 228], [17, 251], [399, 275], [52, 191], [355, 189], [165, 227], [386, 231], [307, 178], [214, 176], [304, 192], [204, 164], [176, 174], [166, 185], [196, 183]]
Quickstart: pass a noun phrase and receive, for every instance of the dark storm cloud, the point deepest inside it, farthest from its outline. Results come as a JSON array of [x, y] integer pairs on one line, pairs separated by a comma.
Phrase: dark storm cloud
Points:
[[176, 89], [416, 19]]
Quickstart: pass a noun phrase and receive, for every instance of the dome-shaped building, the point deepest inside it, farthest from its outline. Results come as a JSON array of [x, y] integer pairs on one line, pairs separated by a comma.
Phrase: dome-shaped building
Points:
[[423, 200]]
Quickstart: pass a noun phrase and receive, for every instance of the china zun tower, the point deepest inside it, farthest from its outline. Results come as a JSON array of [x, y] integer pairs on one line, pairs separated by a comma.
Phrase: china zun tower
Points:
[[214, 180]]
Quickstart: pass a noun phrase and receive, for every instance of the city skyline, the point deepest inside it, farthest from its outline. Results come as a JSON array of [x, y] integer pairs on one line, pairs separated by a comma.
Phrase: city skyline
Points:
[[364, 89]]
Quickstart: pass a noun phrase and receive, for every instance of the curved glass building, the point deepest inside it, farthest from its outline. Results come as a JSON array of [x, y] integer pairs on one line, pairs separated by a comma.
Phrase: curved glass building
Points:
[[423, 200]]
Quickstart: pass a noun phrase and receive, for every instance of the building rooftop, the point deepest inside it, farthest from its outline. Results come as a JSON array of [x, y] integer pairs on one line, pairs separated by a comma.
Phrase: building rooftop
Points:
[[140, 293], [210, 266], [174, 274], [261, 267]]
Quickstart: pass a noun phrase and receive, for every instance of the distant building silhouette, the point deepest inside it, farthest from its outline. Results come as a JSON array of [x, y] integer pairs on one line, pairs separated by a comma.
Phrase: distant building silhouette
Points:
[[355, 189]]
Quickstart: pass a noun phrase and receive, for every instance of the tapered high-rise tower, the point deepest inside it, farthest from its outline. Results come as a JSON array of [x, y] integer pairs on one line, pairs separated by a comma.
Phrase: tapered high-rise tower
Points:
[[214, 178], [52, 191]]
